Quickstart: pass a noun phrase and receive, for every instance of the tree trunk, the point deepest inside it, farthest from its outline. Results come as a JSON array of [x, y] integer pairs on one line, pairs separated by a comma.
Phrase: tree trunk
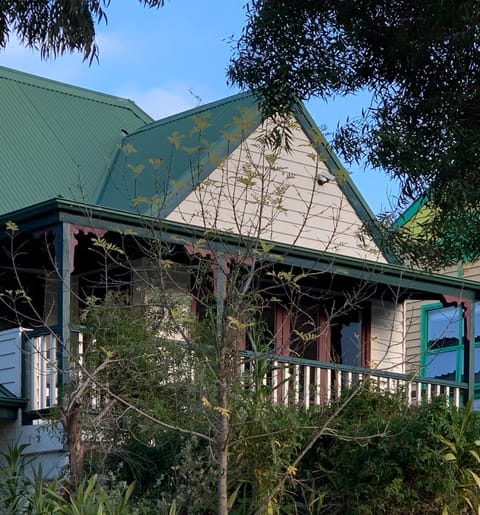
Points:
[[76, 446], [222, 444]]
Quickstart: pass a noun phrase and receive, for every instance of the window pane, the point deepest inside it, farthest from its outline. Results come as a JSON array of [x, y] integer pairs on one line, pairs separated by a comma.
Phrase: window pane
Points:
[[442, 365], [352, 344], [477, 322], [444, 328], [347, 339], [477, 364]]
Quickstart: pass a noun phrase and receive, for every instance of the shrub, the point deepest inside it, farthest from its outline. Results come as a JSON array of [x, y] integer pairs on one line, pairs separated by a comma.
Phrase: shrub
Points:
[[24, 493], [384, 457]]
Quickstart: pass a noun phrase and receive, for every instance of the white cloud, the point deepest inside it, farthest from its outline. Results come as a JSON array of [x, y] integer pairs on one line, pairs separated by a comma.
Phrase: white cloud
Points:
[[160, 102], [112, 45], [67, 68]]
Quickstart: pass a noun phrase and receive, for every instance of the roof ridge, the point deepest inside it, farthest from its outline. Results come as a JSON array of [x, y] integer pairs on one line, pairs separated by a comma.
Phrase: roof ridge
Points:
[[72, 90], [410, 212], [163, 123], [192, 111]]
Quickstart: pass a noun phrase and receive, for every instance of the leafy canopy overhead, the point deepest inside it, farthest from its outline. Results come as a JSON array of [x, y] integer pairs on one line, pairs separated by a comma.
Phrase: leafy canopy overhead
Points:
[[420, 61], [55, 27]]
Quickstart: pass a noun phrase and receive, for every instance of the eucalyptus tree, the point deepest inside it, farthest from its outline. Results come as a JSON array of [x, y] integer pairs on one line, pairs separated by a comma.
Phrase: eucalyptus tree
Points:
[[55, 27], [421, 64]]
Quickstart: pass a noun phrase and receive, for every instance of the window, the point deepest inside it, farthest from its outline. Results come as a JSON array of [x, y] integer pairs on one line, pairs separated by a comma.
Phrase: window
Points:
[[443, 341], [347, 339], [311, 332]]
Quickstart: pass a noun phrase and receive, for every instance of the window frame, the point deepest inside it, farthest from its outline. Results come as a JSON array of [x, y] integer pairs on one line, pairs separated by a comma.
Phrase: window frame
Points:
[[459, 349]]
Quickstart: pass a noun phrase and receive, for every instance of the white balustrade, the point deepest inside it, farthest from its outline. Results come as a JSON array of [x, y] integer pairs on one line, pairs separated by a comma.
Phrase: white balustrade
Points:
[[41, 352], [316, 383], [290, 381]]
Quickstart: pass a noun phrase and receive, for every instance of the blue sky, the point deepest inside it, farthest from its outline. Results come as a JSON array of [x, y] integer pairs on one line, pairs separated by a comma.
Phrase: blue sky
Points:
[[174, 58]]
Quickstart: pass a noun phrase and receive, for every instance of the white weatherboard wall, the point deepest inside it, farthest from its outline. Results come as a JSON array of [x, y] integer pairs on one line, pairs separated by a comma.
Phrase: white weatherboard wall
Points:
[[387, 336], [10, 360], [413, 334], [45, 440], [278, 198]]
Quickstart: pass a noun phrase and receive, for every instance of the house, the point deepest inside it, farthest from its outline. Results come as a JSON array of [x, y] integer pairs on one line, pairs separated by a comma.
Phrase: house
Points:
[[84, 171], [438, 334]]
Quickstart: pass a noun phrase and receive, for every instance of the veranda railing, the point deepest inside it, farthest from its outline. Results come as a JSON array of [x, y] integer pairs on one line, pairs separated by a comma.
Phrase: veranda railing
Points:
[[309, 382], [44, 361], [287, 379]]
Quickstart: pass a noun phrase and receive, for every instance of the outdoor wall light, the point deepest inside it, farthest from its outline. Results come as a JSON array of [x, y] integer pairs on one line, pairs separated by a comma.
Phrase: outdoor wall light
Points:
[[324, 177]]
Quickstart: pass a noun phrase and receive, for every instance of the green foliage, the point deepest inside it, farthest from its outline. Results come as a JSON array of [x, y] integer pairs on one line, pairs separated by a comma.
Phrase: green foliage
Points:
[[267, 437], [435, 238], [141, 377], [177, 471], [13, 481], [376, 456], [142, 364], [90, 498], [23, 492], [419, 61], [191, 481], [56, 27], [461, 452], [383, 457]]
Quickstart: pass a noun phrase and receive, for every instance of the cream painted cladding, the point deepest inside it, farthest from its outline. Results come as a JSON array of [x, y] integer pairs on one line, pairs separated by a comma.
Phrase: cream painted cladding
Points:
[[387, 336], [413, 334], [469, 271], [278, 198]]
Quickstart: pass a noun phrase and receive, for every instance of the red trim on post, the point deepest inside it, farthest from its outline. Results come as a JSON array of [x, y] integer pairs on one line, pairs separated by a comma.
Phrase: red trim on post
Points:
[[324, 344], [366, 335], [283, 330], [324, 351]]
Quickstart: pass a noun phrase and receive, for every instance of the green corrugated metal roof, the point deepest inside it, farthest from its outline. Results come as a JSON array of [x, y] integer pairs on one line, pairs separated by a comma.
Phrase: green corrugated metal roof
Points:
[[159, 158], [59, 140], [410, 215], [56, 139]]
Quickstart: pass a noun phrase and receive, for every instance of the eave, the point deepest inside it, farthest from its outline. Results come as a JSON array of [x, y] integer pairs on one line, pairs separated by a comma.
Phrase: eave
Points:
[[408, 282], [10, 404]]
